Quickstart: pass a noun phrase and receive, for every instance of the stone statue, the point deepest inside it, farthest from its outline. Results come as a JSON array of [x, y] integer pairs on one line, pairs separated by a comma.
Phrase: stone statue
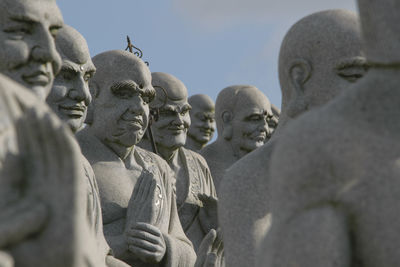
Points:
[[273, 121], [69, 99], [320, 57], [28, 54], [336, 203], [202, 117], [140, 217], [241, 115], [41, 220], [195, 192]]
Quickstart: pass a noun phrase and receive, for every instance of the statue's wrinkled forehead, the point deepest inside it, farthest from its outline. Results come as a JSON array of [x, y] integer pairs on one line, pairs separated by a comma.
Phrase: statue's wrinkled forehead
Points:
[[168, 87], [201, 102], [72, 45], [28, 10]]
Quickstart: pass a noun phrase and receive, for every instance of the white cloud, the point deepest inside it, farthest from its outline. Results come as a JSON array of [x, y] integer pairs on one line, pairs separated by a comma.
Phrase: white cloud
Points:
[[220, 14]]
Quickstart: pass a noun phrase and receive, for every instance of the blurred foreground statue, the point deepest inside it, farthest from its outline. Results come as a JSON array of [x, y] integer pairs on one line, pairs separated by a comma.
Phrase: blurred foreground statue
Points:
[[335, 194], [320, 57]]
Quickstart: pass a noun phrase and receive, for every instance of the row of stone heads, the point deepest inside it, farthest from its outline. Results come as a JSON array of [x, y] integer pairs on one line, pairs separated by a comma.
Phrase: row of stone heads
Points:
[[105, 201], [101, 198]]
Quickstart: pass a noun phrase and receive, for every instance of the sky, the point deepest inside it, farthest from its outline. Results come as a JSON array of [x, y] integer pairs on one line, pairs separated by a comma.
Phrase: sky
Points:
[[207, 44]]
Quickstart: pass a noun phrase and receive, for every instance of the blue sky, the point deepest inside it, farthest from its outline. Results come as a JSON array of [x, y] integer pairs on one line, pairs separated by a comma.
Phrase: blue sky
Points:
[[208, 44]]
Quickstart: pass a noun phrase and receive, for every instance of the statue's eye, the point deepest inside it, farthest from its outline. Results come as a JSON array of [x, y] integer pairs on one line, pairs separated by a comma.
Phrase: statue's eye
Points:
[[18, 32], [54, 31], [351, 74], [145, 98], [87, 77]]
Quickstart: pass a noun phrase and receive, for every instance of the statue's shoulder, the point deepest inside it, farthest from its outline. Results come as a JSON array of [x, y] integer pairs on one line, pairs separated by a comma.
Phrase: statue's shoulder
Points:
[[195, 156], [151, 158]]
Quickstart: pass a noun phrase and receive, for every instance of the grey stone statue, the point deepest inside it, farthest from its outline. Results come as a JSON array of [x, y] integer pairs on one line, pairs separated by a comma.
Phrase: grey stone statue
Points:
[[28, 54], [273, 120], [42, 191], [336, 204], [320, 57], [140, 217], [69, 99], [202, 117], [195, 191], [241, 115]]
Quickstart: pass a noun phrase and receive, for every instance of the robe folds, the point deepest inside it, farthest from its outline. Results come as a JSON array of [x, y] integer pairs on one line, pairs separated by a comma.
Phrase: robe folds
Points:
[[199, 182], [108, 167]]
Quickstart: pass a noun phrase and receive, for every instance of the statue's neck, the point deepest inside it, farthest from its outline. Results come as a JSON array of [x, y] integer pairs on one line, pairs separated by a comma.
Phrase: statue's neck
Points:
[[192, 144], [122, 151], [168, 154]]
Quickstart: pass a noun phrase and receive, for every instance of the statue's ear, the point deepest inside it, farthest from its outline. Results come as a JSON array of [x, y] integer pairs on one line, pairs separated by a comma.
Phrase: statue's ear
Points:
[[94, 91], [227, 123], [300, 72]]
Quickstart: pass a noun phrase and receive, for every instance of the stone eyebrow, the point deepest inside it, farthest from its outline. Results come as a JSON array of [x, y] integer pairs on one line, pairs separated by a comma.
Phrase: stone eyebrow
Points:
[[124, 85], [66, 66], [23, 18]]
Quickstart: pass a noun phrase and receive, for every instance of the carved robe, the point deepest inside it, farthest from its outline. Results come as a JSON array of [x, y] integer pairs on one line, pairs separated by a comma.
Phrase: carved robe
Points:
[[199, 182], [106, 164]]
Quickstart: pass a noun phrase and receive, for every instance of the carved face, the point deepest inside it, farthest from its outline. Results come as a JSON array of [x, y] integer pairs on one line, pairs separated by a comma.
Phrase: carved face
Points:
[[70, 95], [174, 120], [121, 109], [28, 54], [249, 123], [203, 123]]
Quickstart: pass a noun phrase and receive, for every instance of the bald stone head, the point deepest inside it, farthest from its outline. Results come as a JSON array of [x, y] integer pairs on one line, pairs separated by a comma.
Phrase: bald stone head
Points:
[[381, 27], [121, 91], [70, 95], [241, 113], [320, 56], [171, 99], [202, 117], [27, 50]]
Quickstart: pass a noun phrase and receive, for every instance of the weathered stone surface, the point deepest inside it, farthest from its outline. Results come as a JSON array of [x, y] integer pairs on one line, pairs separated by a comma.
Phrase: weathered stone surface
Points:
[[195, 191], [69, 99], [320, 56], [140, 217], [28, 54], [241, 115], [42, 222], [202, 117], [341, 196]]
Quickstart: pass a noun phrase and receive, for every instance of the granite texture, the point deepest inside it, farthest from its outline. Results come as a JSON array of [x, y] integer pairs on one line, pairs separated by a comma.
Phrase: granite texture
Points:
[[337, 204], [241, 114], [202, 127], [320, 56]]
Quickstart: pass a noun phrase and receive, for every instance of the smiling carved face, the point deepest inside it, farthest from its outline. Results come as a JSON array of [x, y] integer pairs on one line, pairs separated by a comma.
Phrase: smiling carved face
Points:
[[28, 54], [70, 95], [170, 130], [250, 122]]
